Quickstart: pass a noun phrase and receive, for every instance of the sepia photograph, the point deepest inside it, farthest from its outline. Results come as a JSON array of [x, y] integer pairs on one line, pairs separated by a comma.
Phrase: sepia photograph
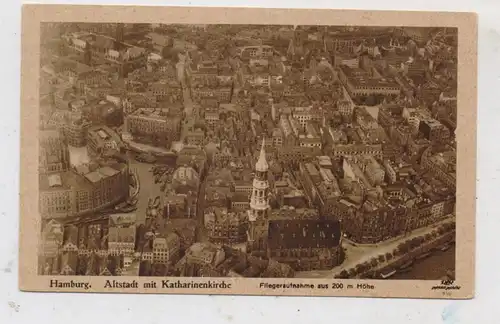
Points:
[[192, 151]]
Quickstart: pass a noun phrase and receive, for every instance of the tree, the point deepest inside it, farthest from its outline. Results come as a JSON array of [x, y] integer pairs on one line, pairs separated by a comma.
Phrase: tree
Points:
[[402, 248], [388, 256], [352, 273], [367, 275], [374, 262], [343, 274], [381, 258], [419, 240], [413, 243]]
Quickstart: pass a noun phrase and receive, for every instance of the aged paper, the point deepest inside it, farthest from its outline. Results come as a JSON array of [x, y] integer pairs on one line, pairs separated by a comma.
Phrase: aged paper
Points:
[[248, 151]]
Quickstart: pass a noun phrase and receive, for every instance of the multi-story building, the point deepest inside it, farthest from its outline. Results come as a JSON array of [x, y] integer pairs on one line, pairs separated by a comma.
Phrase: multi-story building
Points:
[[193, 156], [75, 130], [311, 138], [341, 45], [222, 157], [401, 134], [54, 153], [82, 190], [201, 257], [52, 239], [306, 114], [277, 137], [166, 249], [289, 138], [185, 179], [90, 78], [203, 73], [103, 112], [70, 70], [63, 96], [297, 154], [353, 170], [442, 165], [126, 58], [101, 139], [390, 171], [346, 107], [433, 130], [166, 91], [371, 221], [357, 149], [212, 117], [365, 120], [430, 92], [174, 206], [121, 234], [390, 115], [360, 83], [256, 51], [195, 136], [226, 227], [305, 244], [222, 94], [133, 101], [153, 126], [373, 170]]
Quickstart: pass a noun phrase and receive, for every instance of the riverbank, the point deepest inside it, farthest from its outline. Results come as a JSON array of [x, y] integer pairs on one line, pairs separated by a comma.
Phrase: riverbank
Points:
[[434, 267], [365, 253], [402, 263]]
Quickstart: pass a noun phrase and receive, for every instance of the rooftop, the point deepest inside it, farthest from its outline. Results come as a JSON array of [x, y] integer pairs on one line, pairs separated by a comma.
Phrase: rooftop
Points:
[[291, 234]]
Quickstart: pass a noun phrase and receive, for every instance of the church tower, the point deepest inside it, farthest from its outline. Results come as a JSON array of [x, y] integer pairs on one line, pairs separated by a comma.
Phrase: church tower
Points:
[[259, 201]]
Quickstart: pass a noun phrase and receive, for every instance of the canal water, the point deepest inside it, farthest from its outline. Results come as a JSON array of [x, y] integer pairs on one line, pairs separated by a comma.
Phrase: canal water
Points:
[[434, 267]]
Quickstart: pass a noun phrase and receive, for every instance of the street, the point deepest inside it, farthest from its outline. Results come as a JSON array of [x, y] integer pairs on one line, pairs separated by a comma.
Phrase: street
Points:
[[181, 76], [363, 253], [188, 103], [201, 234]]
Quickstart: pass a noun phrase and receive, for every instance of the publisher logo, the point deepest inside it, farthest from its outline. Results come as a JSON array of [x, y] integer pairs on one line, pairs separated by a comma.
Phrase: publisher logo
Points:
[[446, 285]]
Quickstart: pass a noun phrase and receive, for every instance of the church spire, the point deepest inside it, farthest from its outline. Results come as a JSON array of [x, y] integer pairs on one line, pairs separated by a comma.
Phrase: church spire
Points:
[[261, 164]]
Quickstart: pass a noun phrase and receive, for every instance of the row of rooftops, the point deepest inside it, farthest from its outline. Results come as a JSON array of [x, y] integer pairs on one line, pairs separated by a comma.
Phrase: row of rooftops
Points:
[[361, 78], [111, 46], [160, 114], [81, 177], [110, 265], [221, 215]]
